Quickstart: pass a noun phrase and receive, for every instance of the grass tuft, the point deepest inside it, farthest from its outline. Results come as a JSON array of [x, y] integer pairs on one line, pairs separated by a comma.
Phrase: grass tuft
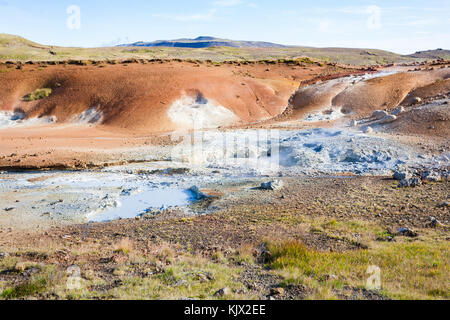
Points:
[[33, 287]]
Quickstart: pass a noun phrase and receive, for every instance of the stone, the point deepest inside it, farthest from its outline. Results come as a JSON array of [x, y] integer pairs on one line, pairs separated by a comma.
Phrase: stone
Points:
[[433, 223], [388, 119], [276, 291], [272, 185], [9, 209], [407, 232], [431, 176], [3, 255], [379, 114], [444, 204], [368, 129], [353, 123], [401, 175], [197, 194], [150, 214], [332, 277], [398, 111], [411, 182], [223, 292], [417, 100]]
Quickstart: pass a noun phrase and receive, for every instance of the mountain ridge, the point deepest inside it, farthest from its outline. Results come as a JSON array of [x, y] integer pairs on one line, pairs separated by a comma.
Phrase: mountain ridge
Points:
[[205, 42]]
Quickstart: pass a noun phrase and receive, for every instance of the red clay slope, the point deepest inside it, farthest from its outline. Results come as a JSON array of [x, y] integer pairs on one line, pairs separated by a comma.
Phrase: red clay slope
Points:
[[137, 96], [362, 98]]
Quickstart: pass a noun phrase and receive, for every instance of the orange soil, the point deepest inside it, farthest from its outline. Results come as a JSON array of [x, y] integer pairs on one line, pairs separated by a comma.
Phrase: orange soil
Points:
[[137, 96], [134, 99], [384, 93]]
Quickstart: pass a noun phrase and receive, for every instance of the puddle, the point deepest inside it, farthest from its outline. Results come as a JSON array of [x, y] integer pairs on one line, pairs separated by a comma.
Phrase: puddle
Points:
[[130, 206], [224, 157]]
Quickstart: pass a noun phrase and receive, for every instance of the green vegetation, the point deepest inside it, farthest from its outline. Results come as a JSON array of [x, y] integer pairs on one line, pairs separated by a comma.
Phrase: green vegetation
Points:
[[408, 270], [30, 288], [38, 94]]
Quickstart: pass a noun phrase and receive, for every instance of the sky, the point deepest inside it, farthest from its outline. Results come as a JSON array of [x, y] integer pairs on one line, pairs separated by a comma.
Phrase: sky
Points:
[[401, 26]]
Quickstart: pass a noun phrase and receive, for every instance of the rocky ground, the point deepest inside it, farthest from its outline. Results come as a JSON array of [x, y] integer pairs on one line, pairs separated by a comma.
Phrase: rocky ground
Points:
[[365, 194], [234, 249]]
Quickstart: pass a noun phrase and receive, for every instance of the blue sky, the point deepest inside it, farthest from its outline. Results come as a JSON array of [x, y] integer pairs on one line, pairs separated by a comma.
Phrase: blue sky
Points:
[[396, 25]]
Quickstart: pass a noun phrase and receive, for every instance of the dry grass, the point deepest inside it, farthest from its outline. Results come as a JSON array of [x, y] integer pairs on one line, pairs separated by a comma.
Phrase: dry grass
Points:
[[124, 246]]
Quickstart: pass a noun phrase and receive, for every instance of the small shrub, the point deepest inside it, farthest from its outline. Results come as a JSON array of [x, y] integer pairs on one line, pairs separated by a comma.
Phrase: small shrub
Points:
[[38, 94]]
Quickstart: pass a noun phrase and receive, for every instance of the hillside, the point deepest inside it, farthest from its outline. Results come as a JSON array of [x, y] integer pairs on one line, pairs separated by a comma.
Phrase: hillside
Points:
[[15, 48], [432, 54]]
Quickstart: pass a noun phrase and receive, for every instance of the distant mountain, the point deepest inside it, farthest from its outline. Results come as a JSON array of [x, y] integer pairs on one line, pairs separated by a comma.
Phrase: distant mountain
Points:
[[16, 48], [205, 42], [432, 54]]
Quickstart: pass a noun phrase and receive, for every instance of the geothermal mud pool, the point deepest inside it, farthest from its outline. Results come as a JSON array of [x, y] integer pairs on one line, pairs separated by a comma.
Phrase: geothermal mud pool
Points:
[[216, 159]]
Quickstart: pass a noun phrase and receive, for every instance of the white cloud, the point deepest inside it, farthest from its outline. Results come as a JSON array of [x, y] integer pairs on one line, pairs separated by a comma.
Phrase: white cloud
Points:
[[324, 25], [208, 16]]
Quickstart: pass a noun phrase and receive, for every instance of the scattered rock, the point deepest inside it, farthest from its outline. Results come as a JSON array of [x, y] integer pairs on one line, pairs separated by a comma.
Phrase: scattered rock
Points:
[[417, 100], [406, 232], [433, 223], [30, 271], [197, 194], [150, 214], [379, 114], [368, 129], [223, 292], [3, 255], [276, 291], [264, 255], [444, 204], [398, 111], [388, 119], [401, 175], [272, 185], [411, 182], [431, 176], [328, 277]]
